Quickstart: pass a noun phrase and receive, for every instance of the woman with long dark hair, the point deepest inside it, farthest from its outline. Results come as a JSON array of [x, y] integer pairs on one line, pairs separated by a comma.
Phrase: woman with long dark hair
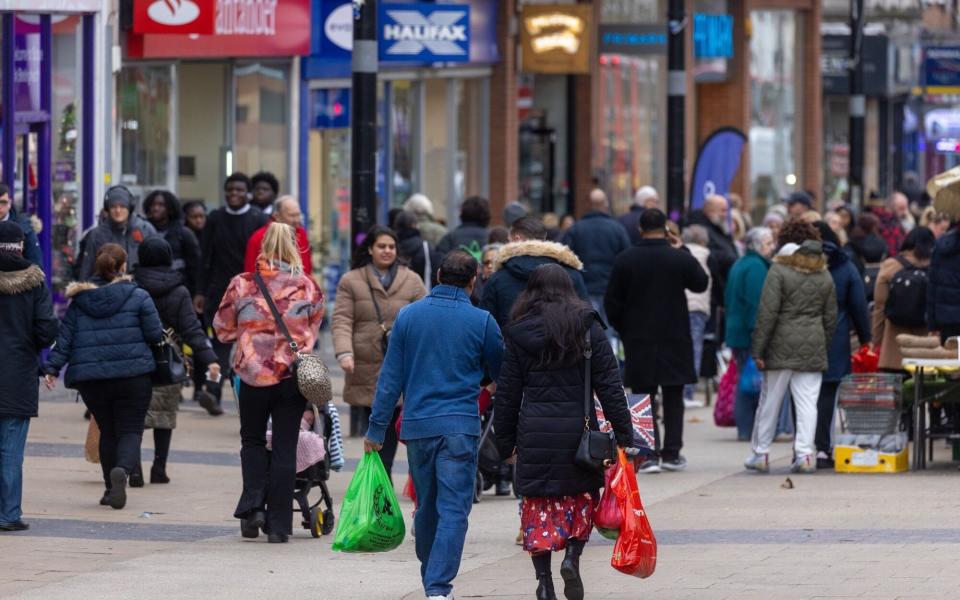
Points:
[[369, 297], [539, 418]]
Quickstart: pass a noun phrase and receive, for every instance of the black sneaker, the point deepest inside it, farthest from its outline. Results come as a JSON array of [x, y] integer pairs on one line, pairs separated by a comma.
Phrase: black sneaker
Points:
[[674, 464], [117, 498], [136, 478], [503, 488], [207, 401], [824, 461], [15, 526], [650, 465]]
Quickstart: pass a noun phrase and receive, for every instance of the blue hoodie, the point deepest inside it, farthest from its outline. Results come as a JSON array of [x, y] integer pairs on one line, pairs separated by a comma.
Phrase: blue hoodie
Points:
[[439, 348]]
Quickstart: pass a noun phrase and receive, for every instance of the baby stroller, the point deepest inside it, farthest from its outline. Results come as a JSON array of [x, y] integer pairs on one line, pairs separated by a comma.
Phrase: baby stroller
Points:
[[318, 520]]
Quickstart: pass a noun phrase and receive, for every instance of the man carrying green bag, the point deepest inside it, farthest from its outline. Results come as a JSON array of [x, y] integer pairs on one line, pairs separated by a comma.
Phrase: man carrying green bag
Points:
[[370, 518], [439, 349]]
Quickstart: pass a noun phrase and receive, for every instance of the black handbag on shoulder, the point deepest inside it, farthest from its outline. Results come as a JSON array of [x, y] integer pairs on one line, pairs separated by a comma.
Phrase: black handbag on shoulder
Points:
[[597, 449], [170, 366]]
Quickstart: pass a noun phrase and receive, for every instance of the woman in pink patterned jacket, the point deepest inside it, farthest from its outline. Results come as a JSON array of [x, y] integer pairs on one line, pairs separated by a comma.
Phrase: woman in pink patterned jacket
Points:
[[267, 387]]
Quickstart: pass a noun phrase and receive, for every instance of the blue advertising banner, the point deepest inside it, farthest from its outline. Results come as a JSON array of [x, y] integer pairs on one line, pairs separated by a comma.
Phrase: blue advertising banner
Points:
[[716, 166], [423, 32], [941, 66]]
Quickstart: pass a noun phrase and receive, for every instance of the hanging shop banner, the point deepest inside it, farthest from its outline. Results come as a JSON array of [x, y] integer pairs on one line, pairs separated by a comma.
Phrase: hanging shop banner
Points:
[[240, 28], [716, 166], [941, 67], [427, 33], [173, 16], [712, 36], [632, 40], [556, 38]]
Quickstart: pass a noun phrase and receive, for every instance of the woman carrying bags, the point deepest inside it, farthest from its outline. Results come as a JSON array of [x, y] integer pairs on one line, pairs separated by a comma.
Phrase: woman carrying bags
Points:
[[268, 389], [368, 300], [539, 418], [105, 340], [155, 273]]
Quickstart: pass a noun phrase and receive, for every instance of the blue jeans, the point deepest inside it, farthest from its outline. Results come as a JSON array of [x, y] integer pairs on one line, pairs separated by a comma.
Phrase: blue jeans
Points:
[[698, 328], [13, 439], [443, 470]]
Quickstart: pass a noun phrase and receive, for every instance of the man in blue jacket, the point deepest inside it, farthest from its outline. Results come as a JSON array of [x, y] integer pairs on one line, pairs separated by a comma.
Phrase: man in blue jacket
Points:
[[439, 349], [597, 239], [31, 247]]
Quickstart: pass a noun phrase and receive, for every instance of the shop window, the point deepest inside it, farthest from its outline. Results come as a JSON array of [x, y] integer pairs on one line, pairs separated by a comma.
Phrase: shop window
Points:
[[262, 128], [439, 124], [775, 127], [145, 95], [470, 158], [403, 134]]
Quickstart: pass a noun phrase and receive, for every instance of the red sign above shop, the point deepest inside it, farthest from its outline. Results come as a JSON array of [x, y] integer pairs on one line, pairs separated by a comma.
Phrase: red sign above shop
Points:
[[236, 28], [173, 16]]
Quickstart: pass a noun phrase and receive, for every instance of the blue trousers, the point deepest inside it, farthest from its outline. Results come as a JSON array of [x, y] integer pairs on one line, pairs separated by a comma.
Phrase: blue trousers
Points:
[[13, 439], [443, 470], [698, 330]]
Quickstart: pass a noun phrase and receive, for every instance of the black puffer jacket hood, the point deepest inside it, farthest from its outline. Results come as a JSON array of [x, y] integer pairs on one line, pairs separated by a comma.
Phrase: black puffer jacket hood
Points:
[[158, 281], [540, 409]]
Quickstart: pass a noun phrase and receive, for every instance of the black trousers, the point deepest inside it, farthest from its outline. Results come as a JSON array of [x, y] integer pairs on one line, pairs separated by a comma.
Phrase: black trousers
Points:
[[671, 401], [825, 406], [268, 479], [119, 407], [390, 441]]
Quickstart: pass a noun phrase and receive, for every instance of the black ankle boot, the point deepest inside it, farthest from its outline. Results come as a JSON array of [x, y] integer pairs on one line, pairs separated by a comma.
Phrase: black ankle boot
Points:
[[158, 474], [136, 478], [545, 590], [570, 570]]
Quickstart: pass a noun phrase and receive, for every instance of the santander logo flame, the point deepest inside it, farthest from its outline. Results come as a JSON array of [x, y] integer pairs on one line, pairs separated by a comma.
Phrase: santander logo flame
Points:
[[174, 12]]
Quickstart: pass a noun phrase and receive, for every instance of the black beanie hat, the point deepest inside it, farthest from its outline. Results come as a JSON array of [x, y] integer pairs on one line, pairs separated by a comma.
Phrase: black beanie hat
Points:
[[11, 237], [155, 252]]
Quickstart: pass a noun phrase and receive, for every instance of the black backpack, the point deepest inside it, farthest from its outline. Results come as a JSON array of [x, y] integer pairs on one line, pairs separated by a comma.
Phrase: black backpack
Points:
[[907, 302]]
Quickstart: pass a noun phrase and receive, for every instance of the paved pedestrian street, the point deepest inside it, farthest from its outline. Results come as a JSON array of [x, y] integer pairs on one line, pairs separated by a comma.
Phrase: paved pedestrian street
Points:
[[722, 533]]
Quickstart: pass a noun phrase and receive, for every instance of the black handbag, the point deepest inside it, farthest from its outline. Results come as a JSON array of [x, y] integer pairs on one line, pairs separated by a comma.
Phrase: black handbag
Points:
[[597, 449], [170, 366]]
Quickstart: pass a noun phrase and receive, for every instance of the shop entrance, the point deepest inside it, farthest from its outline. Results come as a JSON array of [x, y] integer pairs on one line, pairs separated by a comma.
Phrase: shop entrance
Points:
[[537, 166]]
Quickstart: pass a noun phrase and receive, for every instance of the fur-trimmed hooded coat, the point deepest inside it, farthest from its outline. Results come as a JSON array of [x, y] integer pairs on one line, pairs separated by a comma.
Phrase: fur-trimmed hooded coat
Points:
[[797, 315], [27, 325], [106, 333], [514, 264]]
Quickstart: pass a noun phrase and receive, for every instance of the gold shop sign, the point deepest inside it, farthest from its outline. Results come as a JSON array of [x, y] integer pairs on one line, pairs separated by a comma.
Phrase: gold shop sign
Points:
[[556, 38]]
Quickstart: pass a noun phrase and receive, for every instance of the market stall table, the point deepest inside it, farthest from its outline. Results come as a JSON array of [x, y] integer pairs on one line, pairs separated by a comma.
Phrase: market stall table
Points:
[[920, 433]]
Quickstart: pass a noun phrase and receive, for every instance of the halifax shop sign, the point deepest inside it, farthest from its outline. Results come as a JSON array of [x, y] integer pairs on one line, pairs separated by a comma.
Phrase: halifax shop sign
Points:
[[427, 33]]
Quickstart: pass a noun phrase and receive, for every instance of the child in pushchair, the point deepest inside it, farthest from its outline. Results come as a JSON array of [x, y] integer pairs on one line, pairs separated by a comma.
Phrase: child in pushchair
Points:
[[319, 450]]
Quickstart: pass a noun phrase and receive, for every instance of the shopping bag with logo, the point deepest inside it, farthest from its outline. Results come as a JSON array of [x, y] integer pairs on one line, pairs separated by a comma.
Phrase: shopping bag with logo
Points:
[[726, 397], [635, 551], [608, 516], [641, 416], [370, 518]]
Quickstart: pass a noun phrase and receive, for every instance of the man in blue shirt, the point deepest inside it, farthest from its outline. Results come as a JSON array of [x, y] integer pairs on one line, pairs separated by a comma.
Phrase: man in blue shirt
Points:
[[439, 349]]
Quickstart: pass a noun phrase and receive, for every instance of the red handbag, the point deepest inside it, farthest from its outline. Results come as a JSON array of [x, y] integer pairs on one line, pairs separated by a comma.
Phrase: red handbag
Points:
[[635, 552]]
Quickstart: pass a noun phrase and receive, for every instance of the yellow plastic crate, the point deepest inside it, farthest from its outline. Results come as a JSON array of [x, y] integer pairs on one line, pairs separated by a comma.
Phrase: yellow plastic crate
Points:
[[853, 459]]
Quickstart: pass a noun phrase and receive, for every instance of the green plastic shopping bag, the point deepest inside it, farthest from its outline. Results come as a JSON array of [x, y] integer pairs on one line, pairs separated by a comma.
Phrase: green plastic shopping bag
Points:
[[370, 517]]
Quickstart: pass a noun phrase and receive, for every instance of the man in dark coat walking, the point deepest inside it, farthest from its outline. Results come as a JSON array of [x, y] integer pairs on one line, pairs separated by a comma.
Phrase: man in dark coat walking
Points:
[[723, 252], [647, 305], [597, 239], [27, 325]]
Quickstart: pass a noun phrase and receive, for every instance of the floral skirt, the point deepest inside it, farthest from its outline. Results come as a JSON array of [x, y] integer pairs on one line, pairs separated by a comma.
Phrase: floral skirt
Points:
[[549, 521]]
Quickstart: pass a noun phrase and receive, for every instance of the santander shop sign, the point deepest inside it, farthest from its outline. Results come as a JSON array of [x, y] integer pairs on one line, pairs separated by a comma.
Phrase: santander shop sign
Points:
[[206, 17]]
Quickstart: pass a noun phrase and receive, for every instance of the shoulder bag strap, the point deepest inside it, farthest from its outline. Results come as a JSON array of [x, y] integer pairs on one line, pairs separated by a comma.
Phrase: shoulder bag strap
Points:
[[376, 305], [427, 266], [587, 387], [276, 313]]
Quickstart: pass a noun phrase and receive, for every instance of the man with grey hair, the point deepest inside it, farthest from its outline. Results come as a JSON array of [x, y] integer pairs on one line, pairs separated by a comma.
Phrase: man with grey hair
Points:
[[696, 238], [723, 252], [742, 297], [431, 231], [597, 239], [646, 197], [286, 210]]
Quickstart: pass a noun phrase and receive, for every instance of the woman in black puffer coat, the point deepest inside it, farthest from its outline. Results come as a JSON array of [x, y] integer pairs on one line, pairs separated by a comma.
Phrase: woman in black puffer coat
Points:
[[157, 275], [539, 418]]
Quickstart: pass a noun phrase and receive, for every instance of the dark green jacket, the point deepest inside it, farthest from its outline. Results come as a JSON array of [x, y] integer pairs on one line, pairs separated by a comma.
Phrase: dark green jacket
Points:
[[742, 297], [798, 312]]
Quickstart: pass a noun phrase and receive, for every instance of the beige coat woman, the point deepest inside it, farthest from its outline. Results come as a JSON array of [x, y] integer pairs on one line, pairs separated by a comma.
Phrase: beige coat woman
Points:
[[356, 330], [884, 332]]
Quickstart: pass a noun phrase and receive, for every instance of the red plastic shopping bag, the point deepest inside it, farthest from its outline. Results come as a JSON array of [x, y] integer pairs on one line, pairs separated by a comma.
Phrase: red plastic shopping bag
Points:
[[865, 361], [726, 397], [608, 516], [635, 552]]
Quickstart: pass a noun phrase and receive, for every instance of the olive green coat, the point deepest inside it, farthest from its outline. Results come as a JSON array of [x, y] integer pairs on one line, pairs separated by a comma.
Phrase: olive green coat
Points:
[[797, 313]]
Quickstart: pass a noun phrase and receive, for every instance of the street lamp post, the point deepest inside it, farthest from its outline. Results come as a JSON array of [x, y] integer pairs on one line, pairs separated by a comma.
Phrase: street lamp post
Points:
[[363, 126], [676, 92], [858, 104]]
